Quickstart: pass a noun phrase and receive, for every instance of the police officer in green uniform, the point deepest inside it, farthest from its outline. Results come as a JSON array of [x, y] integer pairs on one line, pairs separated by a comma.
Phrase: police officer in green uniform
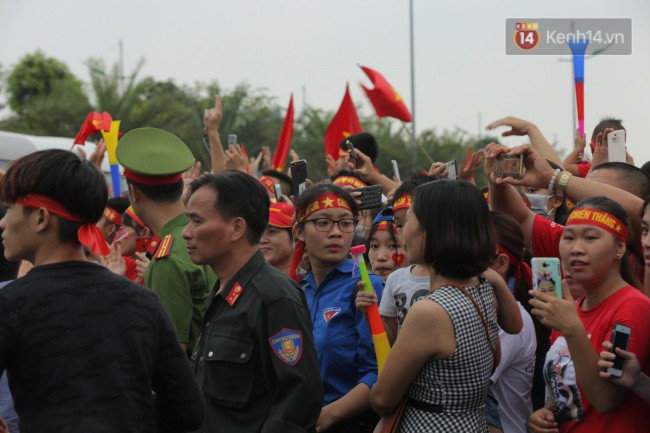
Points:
[[255, 360], [154, 161]]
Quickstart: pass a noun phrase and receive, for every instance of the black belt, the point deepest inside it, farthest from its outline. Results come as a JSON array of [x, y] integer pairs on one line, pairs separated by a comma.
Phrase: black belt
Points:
[[424, 406]]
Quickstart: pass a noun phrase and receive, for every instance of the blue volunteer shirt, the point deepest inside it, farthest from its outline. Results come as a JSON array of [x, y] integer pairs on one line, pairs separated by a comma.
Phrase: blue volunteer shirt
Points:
[[342, 336]]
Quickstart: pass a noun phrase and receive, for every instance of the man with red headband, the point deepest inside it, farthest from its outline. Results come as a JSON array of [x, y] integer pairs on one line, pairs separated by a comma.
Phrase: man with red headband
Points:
[[154, 161], [111, 219], [84, 348]]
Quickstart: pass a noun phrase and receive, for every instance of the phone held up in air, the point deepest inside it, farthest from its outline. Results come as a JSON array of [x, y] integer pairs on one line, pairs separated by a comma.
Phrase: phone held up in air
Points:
[[547, 277], [508, 166], [278, 192], [370, 197], [616, 146], [232, 139], [620, 339], [398, 178], [298, 176], [347, 146], [452, 170]]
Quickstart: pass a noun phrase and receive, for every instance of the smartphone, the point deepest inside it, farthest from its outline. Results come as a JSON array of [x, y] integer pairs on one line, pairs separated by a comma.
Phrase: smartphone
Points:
[[395, 170], [278, 192], [452, 170], [298, 176], [547, 277], [620, 338], [508, 166], [232, 139], [616, 146], [349, 147], [370, 197]]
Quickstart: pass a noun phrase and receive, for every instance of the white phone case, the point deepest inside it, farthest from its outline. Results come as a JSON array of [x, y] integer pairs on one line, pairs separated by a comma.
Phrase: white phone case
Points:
[[616, 146]]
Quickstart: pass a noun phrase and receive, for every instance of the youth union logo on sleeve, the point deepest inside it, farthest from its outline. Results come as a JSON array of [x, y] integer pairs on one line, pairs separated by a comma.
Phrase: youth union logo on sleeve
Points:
[[287, 345]]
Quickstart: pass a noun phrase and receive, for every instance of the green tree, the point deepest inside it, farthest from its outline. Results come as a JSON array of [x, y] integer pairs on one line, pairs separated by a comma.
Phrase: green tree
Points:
[[107, 94], [45, 97]]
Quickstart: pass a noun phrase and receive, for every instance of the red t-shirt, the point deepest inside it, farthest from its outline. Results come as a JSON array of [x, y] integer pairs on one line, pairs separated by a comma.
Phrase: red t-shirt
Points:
[[546, 237], [583, 169], [627, 306]]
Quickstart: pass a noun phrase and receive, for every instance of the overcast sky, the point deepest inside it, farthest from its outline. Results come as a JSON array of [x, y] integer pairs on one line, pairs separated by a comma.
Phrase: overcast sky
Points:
[[460, 63]]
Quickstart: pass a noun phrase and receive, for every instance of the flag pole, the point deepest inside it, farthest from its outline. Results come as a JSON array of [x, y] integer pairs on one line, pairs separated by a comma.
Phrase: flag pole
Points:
[[416, 142], [412, 67]]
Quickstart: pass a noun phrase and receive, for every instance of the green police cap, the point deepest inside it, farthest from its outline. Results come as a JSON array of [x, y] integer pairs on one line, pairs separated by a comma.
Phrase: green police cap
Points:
[[152, 156]]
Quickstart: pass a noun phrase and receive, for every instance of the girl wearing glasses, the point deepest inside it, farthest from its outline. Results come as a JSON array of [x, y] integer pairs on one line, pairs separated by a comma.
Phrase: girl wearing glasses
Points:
[[325, 222]]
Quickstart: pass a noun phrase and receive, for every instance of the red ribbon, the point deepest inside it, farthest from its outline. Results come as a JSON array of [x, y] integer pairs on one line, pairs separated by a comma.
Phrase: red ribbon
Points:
[[88, 234], [523, 270]]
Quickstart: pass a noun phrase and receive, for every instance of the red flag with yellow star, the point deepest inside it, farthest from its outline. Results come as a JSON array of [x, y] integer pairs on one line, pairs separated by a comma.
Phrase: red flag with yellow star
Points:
[[94, 123], [384, 97], [344, 124]]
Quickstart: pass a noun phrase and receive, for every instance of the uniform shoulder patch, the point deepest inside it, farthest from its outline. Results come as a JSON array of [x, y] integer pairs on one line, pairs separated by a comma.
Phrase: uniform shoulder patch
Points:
[[234, 294], [153, 245], [165, 247], [287, 346]]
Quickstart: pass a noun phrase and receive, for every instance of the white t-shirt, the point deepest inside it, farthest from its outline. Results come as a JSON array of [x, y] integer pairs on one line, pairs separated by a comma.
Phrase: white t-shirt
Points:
[[401, 291], [513, 378]]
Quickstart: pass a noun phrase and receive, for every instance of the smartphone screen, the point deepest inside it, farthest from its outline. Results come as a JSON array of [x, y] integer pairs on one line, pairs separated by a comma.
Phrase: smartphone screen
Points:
[[452, 172], [232, 139], [396, 170]]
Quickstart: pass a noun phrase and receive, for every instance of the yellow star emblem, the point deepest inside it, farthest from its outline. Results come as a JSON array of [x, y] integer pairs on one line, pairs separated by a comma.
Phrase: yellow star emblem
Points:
[[398, 97], [328, 202], [346, 134]]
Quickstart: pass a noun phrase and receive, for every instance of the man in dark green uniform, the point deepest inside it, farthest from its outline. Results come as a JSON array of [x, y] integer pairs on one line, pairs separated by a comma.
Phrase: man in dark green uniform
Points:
[[154, 161], [255, 360]]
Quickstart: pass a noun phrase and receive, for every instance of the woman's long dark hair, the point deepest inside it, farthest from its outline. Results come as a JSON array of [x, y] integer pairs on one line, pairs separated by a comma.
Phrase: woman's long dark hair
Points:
[[610, 206]]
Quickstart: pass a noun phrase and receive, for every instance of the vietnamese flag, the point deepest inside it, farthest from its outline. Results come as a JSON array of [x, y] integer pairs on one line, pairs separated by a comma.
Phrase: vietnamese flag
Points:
[[384, 97], [95, 122], [344, 124], [284, 142]]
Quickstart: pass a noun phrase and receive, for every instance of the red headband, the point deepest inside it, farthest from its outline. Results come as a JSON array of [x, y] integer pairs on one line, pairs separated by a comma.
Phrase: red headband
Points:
[[599, 219], [281, 215], [269, 184], [113, 216], [404, 202], [146, 179], [383, 225], [349, 181], [522, 267], [130, 212], [89, 234], [322, 202]]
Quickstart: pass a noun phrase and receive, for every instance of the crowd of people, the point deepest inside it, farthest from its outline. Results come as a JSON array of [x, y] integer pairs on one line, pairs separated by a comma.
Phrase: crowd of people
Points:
[[229, 302]]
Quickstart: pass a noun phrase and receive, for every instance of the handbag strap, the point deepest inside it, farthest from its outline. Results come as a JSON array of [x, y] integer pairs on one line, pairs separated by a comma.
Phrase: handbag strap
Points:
[[487, 332]]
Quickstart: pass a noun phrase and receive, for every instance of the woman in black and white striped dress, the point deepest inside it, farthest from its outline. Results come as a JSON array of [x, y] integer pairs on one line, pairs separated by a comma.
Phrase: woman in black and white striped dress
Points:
[[447, 348]]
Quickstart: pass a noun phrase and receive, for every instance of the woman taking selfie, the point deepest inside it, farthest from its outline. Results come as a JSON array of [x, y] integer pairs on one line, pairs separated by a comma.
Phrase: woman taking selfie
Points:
[[594, 251], [447, 347], [326, 216]]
